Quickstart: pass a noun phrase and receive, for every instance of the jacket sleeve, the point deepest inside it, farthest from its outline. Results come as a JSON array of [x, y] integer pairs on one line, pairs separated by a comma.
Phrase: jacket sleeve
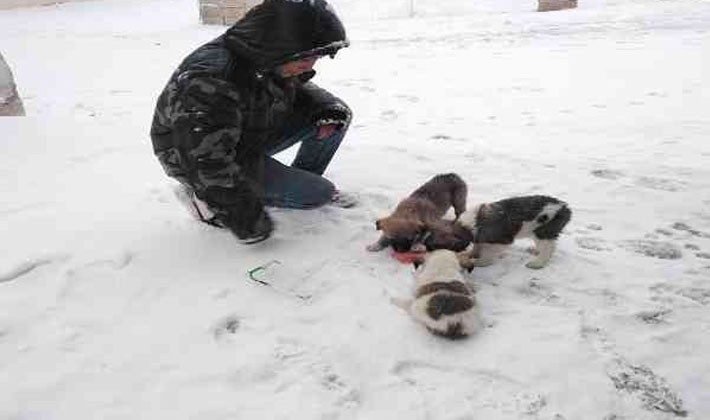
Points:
[[321, 103], [208, 128]]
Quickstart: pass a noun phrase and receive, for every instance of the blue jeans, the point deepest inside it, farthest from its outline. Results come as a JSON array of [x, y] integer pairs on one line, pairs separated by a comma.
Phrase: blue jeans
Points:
[[301, 185]]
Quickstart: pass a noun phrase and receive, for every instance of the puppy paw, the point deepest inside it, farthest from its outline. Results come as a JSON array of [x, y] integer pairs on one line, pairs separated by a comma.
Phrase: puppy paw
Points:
[[532, 250], [536, 264]]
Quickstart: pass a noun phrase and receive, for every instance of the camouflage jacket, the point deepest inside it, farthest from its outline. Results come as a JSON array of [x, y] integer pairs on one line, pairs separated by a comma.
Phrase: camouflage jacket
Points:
[[224, 104]]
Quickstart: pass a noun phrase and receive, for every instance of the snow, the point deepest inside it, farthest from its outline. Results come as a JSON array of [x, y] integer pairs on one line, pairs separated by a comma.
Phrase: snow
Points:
[[115, 304]]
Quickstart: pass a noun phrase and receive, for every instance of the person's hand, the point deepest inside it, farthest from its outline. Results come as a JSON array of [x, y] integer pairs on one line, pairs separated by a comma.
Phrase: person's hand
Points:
[[329, 121]]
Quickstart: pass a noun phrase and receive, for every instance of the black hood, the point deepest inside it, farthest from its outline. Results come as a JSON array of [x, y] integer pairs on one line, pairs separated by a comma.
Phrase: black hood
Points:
[[278, 31]]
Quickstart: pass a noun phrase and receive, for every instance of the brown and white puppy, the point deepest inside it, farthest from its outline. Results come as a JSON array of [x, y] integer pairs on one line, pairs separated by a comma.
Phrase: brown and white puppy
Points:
[[407, 225], [497, 225], [443, 302]]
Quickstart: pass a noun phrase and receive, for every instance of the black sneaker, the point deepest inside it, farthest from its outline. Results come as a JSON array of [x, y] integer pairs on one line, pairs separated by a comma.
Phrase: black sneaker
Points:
[[260, 230]]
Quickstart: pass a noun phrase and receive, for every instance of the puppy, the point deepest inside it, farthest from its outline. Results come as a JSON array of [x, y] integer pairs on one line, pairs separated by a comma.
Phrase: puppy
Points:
[[447, 234], [407, 225], [497, 225], [443, 302]]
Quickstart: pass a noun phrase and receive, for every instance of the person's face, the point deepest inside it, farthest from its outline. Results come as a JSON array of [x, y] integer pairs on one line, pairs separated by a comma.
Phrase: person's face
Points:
[[294, 68]]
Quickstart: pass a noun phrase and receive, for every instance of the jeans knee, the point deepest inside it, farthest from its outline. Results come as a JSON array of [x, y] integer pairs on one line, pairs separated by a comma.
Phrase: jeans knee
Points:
[[317, 195], [311, 192]]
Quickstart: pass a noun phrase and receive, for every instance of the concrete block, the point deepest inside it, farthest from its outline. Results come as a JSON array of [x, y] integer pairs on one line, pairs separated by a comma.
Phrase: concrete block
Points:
[[10, 102], [224, 12], [552, 5]]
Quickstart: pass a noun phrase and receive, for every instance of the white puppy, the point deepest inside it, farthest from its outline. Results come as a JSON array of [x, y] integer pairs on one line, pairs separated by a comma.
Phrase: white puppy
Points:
[[443, 302]]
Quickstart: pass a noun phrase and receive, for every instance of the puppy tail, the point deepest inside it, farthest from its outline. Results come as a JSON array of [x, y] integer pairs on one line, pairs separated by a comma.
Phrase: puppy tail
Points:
[[551, 229]]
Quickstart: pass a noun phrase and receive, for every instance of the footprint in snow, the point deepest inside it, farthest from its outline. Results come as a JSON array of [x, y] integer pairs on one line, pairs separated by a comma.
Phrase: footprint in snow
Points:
[[660, 184], [664, 232], [115, 264], [697, 294], [22, 208], [593, 243], [473, 157], [610, 174], [475, 388], [408, 98], [389, 115], [225, 327], [396, 149], [25, 267], [654, 249], [539, 292], [654, 317], [76, 277], [653, 391], [422, 158], [294, 369], [683, 227], [664, 292]]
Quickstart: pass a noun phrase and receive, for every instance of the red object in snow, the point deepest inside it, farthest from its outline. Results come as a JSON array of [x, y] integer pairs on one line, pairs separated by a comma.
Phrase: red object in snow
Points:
[[408, 257]]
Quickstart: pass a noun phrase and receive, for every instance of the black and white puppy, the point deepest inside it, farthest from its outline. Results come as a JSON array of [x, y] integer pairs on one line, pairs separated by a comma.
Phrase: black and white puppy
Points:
[[497, 225], [443, 302]]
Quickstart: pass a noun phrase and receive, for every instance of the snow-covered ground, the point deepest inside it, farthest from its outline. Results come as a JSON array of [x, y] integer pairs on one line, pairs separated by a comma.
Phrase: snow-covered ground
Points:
[[115, 305]]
